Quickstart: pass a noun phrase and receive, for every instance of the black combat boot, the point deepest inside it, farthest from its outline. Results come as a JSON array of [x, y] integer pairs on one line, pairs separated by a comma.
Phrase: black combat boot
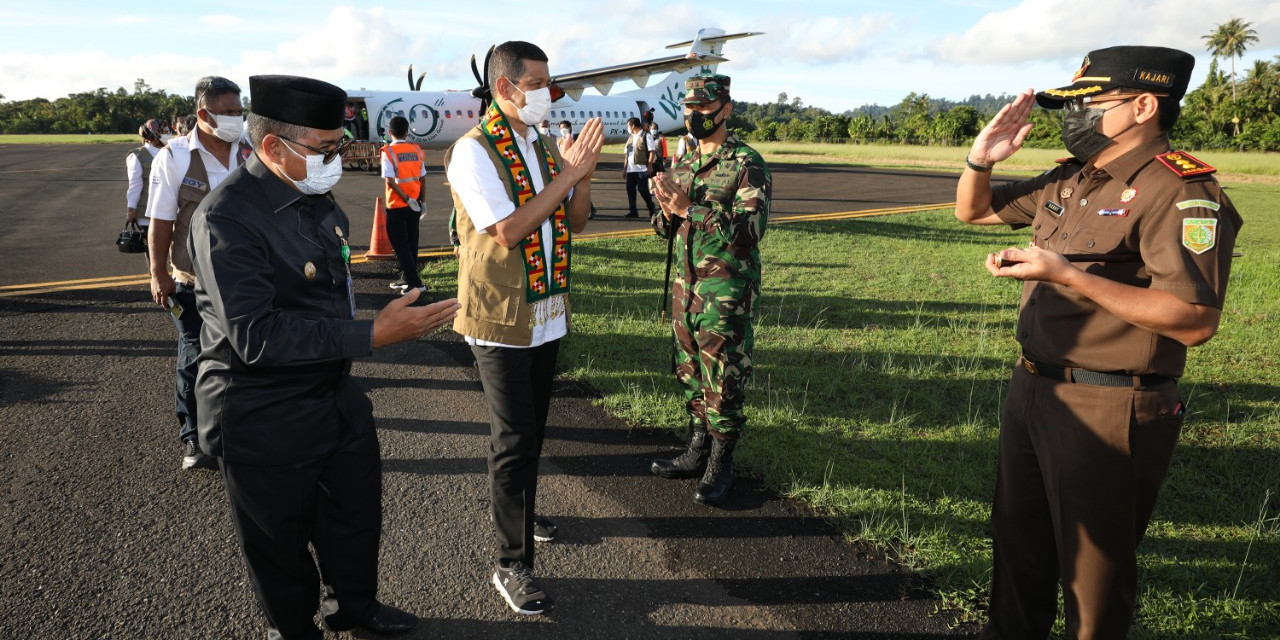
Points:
[[715, 484], [694, 459]]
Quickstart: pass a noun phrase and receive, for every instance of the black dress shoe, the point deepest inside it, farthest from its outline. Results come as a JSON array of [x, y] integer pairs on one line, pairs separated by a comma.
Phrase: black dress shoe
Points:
[[388, 620]]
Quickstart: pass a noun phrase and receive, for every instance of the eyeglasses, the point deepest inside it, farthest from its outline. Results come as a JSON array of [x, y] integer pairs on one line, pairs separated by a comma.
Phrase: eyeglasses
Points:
[[328, 156], [1080, 104]]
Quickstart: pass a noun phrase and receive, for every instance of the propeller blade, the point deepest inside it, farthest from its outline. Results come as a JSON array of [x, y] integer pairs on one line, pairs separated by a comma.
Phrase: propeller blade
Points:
[[411, 76], [418, 85]]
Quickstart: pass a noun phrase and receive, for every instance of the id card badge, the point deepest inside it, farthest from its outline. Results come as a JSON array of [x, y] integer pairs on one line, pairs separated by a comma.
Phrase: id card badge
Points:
[[346, 263], [351, 296]]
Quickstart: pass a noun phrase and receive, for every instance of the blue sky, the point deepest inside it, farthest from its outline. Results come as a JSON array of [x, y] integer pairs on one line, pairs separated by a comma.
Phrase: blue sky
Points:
[[835, 55]]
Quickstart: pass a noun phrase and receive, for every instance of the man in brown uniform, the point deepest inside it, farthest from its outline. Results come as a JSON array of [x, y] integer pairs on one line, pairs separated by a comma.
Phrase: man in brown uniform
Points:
[[1128, 267]]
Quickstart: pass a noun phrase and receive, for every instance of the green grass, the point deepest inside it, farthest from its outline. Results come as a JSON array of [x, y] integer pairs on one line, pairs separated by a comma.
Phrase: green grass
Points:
[[1026, 160], [1257, 165], [883, 350], [70, 138]]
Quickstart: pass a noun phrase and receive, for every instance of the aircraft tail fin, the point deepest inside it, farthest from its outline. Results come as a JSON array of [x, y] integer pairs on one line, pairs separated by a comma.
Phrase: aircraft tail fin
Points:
[[710, 41]]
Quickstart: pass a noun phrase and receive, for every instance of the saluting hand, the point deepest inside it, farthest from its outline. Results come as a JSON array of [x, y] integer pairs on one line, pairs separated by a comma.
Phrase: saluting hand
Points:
[[399, 322], [1003, 136], [581, 158]]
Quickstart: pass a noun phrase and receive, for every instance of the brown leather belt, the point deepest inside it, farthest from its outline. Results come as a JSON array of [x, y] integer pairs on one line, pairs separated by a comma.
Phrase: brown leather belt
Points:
[[1084, 376]]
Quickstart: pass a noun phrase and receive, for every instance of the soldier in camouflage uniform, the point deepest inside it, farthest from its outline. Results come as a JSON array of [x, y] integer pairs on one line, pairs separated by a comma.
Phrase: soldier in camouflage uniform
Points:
[[716, 202]]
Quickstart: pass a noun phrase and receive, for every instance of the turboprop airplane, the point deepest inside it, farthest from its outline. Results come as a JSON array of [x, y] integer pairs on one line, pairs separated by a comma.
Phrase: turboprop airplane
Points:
[[437, 118]]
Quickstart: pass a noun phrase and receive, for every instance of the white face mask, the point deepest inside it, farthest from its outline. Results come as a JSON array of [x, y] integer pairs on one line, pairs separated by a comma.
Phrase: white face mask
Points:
[[537, 104], [564, 133], [546, 131], [320, 176], [230, 128]]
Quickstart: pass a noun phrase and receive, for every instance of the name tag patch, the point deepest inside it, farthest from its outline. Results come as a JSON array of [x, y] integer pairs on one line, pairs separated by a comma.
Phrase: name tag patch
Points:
[[1199, 234], [1053, 207], [1118, 213], [192, 182], [1207, 204]]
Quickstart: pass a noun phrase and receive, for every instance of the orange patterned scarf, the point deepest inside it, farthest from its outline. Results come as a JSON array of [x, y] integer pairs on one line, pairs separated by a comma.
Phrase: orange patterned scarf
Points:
[[541, 283]]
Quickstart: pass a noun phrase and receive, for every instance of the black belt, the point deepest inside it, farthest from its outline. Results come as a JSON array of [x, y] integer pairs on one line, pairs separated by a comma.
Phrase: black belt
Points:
[[1084, 376]]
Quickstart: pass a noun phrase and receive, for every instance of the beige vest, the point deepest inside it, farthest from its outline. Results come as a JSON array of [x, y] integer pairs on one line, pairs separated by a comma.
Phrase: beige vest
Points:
[[491, 278], [192, 191]]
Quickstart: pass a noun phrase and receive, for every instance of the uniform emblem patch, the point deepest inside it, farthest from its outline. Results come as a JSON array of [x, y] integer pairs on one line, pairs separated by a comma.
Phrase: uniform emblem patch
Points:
[[1128, 195], [1207, 204], [1066, 192], [192, 182], [1119, 213], [1053, 207], [1199, 234]]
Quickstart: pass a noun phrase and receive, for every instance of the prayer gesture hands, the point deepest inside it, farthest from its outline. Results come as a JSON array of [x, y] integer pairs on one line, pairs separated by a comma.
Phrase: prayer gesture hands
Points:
[[581, 157]]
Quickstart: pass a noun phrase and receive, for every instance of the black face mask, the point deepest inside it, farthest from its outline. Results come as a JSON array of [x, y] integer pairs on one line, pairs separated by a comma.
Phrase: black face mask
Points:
[[702, 125], [1080, 133]]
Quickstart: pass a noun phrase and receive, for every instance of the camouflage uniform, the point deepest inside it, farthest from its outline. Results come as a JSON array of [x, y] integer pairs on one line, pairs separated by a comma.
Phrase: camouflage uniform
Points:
[[717, 278]]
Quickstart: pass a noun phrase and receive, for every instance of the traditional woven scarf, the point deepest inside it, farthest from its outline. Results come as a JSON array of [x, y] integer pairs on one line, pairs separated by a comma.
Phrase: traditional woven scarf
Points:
[[540, 283]]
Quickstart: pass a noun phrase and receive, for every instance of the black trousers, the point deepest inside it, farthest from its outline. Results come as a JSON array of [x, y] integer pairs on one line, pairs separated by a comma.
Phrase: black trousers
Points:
[[638, 181], [335, 505], [402, 231], [517, 385]]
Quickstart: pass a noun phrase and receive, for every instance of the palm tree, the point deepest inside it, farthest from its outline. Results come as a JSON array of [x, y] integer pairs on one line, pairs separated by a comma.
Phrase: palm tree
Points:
[[1230, 39]]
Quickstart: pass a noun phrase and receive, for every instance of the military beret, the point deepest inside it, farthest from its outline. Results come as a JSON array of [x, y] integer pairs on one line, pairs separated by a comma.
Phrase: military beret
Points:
[[1156, 70], [306, 102], [706, 88]]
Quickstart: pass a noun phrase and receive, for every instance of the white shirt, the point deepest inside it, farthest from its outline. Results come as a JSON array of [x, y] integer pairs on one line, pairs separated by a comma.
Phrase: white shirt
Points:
[[133, 168], [170, 167], [632, 167], [483, 192], [389, 170]]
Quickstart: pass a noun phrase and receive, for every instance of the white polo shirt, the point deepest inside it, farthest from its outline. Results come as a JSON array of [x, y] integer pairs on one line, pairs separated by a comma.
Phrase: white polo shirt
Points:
[[483, 193], [170, 167]]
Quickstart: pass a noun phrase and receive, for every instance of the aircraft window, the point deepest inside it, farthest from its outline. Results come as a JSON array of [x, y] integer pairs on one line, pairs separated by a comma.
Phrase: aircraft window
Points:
[[573, 114], [470, 113]]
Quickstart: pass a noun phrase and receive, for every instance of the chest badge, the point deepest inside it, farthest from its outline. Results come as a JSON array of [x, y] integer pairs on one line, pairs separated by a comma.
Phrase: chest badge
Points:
[[1053, 207], [1066, 192], [1118, 213], [309, 270], [1128, 195]]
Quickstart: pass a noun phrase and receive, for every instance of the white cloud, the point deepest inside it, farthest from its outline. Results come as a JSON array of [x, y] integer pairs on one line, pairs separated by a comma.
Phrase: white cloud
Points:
[[48, 75], [1060, 30], [221, 20]]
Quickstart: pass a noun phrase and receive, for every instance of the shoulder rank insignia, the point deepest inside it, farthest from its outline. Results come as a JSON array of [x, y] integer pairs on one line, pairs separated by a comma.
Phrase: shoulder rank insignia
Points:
[[1183, 164]]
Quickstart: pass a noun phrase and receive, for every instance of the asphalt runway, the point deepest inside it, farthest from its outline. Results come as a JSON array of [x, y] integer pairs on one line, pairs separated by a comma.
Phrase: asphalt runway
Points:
[[102, 536]]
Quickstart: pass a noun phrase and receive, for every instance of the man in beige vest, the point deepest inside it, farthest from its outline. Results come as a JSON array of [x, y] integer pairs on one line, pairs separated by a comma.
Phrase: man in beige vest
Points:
[[183, 173], [518, 203]]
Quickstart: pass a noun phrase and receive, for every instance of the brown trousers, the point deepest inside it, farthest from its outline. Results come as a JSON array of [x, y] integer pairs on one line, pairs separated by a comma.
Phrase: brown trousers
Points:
[[1080, 468]]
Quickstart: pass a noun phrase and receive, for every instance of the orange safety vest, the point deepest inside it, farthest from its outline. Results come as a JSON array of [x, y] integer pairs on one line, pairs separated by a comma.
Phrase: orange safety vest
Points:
[[406, 159]]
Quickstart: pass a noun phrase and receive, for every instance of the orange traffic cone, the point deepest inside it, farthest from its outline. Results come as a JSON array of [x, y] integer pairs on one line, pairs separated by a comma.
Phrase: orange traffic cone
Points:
[[379, 243]]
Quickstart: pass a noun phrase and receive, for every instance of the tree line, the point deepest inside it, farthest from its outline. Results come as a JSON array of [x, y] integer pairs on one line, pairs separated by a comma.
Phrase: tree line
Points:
[[1225, 112], [96, 112]]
